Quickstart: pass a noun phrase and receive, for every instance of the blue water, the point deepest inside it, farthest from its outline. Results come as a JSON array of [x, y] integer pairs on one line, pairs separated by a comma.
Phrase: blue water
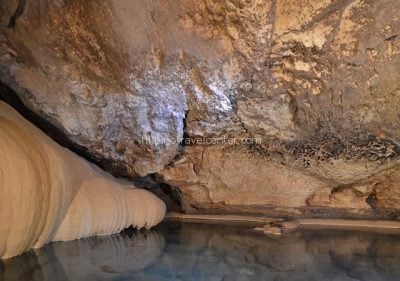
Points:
[[183, 251]]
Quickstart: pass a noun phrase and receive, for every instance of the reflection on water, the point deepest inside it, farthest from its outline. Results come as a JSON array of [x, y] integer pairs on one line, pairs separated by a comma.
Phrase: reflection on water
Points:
[[99, 258], [175, 251]]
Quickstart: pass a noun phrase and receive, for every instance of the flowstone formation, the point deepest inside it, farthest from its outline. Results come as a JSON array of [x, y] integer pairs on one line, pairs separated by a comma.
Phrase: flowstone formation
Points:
[[316, 81], [47, 193]]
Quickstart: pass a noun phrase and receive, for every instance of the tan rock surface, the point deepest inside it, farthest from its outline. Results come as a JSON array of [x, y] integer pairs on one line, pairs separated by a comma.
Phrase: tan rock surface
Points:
[[47, 193], [316, 81]]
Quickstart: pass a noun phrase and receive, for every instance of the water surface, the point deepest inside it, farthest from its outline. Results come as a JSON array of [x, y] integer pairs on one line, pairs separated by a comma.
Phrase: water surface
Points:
[[183, 251]]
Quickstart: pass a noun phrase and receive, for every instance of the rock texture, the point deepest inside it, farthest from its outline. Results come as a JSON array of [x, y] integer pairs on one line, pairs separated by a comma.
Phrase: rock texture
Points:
[[48, 194], [317, 82]]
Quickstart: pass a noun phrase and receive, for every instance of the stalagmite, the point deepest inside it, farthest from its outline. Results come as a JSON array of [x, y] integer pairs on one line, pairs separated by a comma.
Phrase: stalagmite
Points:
[[47, 193]]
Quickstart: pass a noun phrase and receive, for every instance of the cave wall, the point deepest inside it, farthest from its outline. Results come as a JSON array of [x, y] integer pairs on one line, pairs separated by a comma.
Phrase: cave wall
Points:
[[316, 83]]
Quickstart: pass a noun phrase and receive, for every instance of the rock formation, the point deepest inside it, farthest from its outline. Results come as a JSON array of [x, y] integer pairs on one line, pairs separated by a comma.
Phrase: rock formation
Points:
[[48, 194], [315, 82]]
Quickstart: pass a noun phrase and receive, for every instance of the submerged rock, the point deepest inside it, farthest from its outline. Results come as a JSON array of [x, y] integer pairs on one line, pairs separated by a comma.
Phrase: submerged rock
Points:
[[269, 230], [290, 225], [277, 227]]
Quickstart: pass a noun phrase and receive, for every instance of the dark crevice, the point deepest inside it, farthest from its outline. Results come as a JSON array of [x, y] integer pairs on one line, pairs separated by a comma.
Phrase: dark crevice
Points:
[[175, 194], [186, 139], [197, 208], [169, 194], [391, 38], [372, 200], [18, 12]]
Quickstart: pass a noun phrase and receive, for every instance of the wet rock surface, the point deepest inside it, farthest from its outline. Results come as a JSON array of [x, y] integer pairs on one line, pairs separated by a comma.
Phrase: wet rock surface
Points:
[[315, 82]]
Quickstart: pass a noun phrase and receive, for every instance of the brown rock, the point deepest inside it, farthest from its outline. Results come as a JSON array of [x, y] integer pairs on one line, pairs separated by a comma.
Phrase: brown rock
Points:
[[290, 225], [317, 83]]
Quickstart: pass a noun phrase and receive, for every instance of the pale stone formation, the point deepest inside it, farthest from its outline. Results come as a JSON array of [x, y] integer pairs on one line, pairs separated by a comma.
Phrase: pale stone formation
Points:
[[47, 193], [316, 80]]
